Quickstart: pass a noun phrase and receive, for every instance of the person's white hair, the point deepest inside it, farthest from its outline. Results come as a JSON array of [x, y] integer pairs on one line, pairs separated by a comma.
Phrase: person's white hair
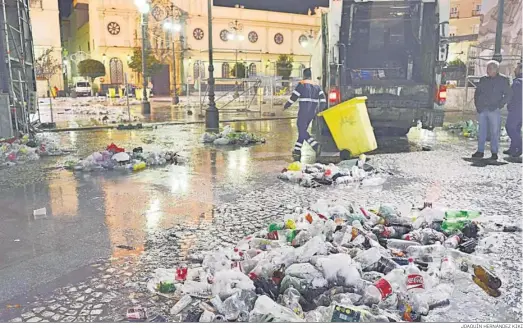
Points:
[[494, 64]]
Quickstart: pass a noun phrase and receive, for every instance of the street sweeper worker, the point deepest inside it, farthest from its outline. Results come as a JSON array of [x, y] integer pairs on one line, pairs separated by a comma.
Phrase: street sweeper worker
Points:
[[311, 101]]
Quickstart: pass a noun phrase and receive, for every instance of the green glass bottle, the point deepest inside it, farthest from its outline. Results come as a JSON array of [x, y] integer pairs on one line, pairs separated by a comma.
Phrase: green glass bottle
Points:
[[450, 226], [462, 214], [276, 226], [291, 235]]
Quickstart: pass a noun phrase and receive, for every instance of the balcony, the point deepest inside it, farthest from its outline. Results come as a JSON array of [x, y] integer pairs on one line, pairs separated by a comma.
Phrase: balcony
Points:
[[454, 15], [476, 12]]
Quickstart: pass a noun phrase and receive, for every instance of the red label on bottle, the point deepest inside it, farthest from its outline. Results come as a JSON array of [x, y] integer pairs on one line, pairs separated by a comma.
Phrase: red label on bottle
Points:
[[237, 264], [387, 232], [384, 287], [273, 235], [414, 281], [181, 274]]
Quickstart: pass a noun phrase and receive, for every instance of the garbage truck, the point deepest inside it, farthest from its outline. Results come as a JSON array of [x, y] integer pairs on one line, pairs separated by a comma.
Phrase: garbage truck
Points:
[[391, 52]]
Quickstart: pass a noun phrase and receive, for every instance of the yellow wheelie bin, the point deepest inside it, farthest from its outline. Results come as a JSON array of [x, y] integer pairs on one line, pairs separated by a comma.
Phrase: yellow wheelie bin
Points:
[[350, 127]]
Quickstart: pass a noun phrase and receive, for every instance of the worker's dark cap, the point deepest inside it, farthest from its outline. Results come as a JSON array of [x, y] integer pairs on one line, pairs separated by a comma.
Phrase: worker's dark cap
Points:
[[307, 72]]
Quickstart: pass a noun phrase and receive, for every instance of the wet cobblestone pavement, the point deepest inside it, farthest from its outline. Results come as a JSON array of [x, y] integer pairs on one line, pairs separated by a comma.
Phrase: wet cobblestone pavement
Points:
[[68, 268]]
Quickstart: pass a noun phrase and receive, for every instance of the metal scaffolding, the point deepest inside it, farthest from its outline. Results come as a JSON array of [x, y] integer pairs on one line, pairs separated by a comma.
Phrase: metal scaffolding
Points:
[[17, 62]]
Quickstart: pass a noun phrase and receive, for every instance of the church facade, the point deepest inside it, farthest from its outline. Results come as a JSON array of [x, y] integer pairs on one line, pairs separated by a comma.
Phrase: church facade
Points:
[[110, 31]]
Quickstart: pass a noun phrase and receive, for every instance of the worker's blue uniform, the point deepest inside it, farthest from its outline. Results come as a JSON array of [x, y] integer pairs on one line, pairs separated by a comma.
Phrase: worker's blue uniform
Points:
[[311, 101], [513, 125]]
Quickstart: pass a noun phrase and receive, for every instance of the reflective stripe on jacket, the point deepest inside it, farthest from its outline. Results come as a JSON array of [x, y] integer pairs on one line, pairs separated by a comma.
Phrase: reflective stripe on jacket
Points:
[[309, 95]]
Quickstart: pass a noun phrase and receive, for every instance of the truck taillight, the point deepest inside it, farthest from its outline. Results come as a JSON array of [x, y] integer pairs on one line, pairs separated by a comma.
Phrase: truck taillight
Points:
[[334, 96], [441, 96]]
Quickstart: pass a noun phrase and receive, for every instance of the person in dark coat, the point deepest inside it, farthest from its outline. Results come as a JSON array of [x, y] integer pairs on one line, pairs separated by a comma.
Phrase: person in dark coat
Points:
[[311, 101], [513, 125], [493, 92]]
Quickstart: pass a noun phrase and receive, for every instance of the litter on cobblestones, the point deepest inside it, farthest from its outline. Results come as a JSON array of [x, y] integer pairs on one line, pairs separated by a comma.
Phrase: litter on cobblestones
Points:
[[316, 175], [335, 262], [137, 314], [40, 213], [17, 151], [229, 137], [115, 158], [469, 129]]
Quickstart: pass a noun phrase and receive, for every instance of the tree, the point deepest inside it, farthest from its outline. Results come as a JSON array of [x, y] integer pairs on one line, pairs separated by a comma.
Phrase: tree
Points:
[[153, 64], [46, 66], [241, 70], [457, 64], [91, 68], [284, 66]]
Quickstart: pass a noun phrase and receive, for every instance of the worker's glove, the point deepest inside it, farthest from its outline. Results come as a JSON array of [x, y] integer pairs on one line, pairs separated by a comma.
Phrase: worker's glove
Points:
[[287, 105]]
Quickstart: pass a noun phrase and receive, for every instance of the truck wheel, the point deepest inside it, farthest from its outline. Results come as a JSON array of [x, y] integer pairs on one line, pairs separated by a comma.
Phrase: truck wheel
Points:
[[345, 155]]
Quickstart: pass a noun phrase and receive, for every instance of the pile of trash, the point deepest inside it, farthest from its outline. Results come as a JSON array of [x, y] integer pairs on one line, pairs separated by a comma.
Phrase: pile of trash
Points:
[[17, 151], [334, 263], [229, 137], [470, 129], [467, 129], [116, 158], [346, 173]]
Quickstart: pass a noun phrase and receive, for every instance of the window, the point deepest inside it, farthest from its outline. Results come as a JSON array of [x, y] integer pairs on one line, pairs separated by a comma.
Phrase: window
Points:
[[454, 12], [477, 11], [252, 69], [226, 70], [199, 70], [88, 46], [202, 70], [196, 70]]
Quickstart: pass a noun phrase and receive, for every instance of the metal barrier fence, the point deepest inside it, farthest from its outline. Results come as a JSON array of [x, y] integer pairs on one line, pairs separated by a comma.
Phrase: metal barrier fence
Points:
[[259, 94]]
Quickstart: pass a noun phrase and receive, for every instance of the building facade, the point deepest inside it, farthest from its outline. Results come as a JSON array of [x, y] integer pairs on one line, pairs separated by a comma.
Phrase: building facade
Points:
[[45, 21], [110, 31], [465, 16]]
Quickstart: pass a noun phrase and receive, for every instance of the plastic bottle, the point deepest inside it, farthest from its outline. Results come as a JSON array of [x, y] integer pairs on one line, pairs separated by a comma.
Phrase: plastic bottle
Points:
[[453, 241], [361, 161], [384, 287], [415, 286], [462, 214], [447, 268], [401, 244], [276, 226], [373, 181], [182, 304], [435, 251], [344, 180], [291, 300], [368, 257], [390, 232], [384, 265], [232, 307]]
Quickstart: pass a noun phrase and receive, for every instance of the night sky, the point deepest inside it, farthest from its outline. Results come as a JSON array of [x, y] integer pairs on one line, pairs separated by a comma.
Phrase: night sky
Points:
[[287, 6]]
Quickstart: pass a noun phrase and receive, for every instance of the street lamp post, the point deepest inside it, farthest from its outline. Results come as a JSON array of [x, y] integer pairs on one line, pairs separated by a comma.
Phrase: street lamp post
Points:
[[173, 27], [212, 118], [143, 8], [499, 32]]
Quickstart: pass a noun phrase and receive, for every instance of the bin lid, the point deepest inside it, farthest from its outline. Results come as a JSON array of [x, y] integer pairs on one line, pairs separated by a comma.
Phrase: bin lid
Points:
[[351, 101]]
